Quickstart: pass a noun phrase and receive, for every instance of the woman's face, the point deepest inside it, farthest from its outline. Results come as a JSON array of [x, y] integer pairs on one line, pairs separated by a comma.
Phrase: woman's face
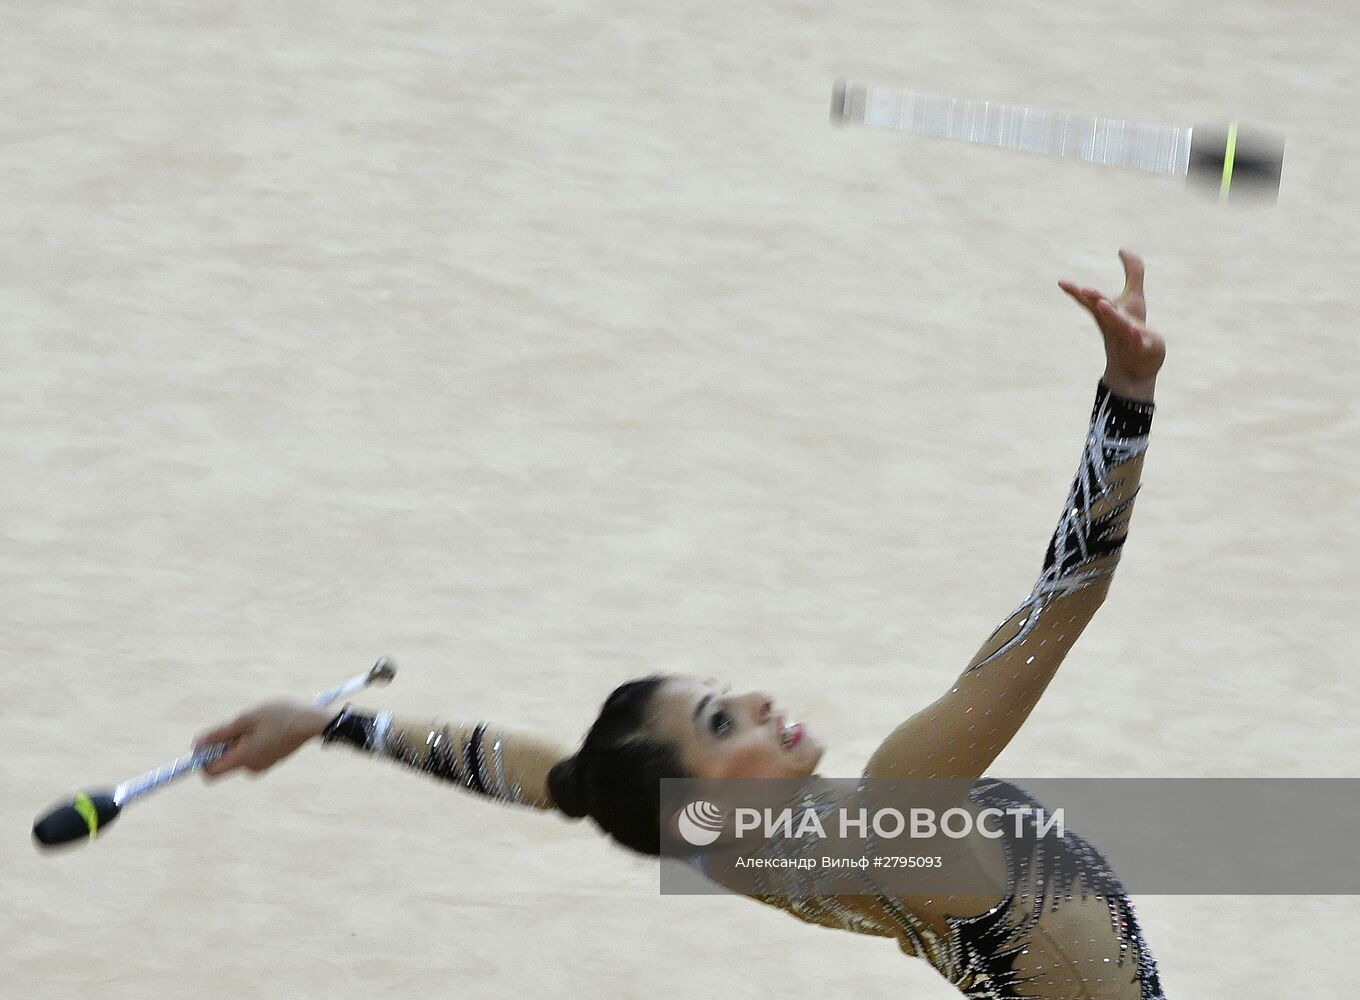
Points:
[[722, 735]]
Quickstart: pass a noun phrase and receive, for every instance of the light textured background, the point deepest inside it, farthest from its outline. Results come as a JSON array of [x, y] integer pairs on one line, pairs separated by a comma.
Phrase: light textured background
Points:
[[544, 345]]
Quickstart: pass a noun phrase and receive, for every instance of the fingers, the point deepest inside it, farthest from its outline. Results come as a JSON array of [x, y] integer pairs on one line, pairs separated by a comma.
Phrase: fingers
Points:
[[1133, 271], [1075, 292], [1089, 298], [223, 733], [1118, 327], [1120, 330], [1128, 310], [231, 733], [1112, 318], [1078, 292], [228, 761], [1133, 281]]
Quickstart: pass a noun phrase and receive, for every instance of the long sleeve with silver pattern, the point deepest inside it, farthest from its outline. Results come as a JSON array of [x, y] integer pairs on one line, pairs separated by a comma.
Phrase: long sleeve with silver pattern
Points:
[[488, 761], [960, 733]]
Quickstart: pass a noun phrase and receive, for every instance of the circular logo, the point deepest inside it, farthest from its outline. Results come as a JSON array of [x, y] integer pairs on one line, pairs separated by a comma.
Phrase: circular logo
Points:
[[700, 823]]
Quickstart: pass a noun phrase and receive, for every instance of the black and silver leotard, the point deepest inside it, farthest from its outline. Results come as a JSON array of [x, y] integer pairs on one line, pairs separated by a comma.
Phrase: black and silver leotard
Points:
[[1064, 929]]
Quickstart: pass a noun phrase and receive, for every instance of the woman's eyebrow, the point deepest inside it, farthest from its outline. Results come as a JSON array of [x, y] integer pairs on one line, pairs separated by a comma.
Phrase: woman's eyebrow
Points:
[[699, 708]]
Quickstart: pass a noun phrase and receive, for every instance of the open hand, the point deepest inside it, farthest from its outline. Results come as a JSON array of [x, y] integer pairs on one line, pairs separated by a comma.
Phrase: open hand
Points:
[[1133, 353]]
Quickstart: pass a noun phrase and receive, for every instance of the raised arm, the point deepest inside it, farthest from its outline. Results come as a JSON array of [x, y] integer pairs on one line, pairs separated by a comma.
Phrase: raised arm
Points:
[[961, 733], [481, 758]]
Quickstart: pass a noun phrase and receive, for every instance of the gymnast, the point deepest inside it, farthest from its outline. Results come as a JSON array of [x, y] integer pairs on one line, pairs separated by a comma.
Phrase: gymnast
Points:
[[1062, 930]]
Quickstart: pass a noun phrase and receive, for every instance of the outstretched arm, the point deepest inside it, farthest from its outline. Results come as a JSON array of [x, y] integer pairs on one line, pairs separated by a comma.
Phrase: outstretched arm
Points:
[[484, 759], [961, 733]]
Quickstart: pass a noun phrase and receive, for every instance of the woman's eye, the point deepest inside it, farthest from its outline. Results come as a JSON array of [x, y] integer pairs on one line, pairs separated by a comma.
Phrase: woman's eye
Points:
[[720, 723]]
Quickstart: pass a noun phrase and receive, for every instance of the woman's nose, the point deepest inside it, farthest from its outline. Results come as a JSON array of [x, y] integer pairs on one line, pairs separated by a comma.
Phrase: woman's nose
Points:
[[764, 706]]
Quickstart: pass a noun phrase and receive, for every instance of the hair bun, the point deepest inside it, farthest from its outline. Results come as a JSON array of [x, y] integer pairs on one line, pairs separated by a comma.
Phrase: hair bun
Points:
[[566, 789]]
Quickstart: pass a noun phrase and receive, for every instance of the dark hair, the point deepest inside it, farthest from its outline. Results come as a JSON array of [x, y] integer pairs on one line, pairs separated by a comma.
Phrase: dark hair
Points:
[[615, 778]]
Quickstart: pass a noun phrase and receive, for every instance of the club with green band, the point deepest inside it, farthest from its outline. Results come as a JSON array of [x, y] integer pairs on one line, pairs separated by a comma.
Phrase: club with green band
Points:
[[89, 813], [1231, 162]]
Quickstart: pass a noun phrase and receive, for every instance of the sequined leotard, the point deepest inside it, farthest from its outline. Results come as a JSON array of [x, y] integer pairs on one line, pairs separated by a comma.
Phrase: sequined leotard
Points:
[[1064, 930]]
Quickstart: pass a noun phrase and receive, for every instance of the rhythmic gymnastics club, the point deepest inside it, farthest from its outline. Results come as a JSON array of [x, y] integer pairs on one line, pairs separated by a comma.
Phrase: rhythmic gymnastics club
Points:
[[88, 813], [1224, 159]]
